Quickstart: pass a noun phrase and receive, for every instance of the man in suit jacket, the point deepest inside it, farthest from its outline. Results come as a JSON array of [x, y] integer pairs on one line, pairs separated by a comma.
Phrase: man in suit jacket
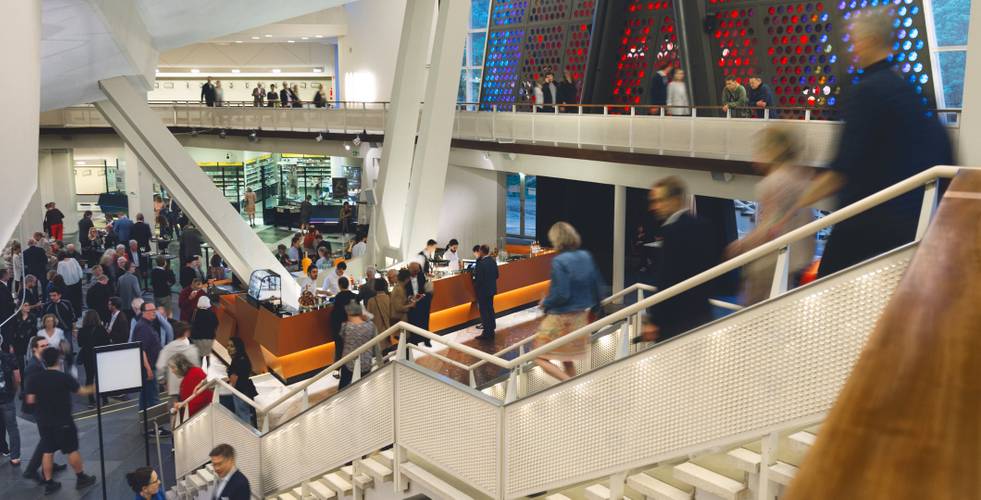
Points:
[[659, 84], [232, 484], [129, 286], [418, 286], [190, 243], [36, 262], [485, 284], [688, 247], [142, 233], [118, 324], [7, 306], [550, 93]]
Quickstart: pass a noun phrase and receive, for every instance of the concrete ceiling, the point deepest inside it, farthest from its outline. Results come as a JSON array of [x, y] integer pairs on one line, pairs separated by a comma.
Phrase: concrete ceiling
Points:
[[84, 41]]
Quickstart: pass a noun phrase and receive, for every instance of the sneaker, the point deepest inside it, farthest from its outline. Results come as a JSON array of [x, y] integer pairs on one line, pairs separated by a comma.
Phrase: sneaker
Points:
[[59, 467], [51, 487], [83, 481]]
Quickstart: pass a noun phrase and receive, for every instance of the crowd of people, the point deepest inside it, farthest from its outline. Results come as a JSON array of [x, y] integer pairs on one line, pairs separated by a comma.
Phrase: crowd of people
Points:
[[284, 96]]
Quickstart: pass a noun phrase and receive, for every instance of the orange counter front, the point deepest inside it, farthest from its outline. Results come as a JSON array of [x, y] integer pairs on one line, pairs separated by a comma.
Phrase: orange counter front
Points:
[[293, 346]]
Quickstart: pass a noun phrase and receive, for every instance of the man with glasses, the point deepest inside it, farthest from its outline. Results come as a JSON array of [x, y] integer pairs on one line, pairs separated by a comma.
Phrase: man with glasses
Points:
[[147, 334], [232, 484]]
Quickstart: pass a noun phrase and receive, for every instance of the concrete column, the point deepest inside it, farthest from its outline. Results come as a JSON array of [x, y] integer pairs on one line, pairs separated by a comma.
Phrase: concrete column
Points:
[[433, 148], [400, 130], [970, 149], [139, 186], [619, 235], [19, 141]]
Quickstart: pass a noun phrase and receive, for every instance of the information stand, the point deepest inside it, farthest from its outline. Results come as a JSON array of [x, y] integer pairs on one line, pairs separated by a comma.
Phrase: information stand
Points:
[[119, 370]]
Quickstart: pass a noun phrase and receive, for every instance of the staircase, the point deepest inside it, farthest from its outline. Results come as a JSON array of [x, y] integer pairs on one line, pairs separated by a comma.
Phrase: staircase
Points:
[[726, 411]]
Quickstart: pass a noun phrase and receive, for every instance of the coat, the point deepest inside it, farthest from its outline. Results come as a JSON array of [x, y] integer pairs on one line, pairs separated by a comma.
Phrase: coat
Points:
[[380, 307]]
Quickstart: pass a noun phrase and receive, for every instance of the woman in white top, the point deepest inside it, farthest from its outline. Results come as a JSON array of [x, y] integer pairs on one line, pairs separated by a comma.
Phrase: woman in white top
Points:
[[678, 94], [49, 330], [451, 254], [219, 94], [17, 262]]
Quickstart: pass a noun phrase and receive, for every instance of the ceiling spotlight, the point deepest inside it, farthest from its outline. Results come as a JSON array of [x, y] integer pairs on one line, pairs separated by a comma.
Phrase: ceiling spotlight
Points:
[[253, 136], [276, 70], [317, 70], [221, 134], [238, 41], [194, 132], [347, 146], [319, 138], [236, 71], [304, 38], [195, 70], [267, 36], [255, 38], [290, 41], [318, 36]]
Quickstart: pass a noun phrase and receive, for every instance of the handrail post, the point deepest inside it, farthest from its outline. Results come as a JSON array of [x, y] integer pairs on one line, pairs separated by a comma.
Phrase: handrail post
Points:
[[402, 342], [637, 317], [511, 392], [357, 369], [623, 343], [781, 272], [768, 454], [473, 379], [927, 209], [305, 399]]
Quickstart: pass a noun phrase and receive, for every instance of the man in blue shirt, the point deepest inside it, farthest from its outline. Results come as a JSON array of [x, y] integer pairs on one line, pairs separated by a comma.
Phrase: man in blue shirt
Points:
[[888, 136]]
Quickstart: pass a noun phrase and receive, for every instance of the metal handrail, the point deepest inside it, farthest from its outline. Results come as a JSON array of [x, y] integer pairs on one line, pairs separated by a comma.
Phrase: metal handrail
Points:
[[898, 189]]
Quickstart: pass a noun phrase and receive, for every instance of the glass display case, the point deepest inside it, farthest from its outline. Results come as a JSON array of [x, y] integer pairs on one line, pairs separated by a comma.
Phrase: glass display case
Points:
[[302, 175], [265, 286], [228, 178]]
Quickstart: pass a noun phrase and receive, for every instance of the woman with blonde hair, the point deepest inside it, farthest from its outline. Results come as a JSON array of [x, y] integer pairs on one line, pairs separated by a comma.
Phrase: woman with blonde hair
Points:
[[574, 291], [777, 152]]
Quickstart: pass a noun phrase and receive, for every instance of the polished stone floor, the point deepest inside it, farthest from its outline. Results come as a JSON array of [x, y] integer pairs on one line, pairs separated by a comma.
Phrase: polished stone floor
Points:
[[124, 451]]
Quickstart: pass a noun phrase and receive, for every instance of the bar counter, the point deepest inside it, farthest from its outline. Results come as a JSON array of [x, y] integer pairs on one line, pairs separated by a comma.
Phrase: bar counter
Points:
[[295, 346]]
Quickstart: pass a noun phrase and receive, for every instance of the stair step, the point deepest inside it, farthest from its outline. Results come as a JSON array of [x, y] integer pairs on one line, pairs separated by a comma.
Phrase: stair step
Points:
[[362, 481], [600, 492], [746, 460], [338, 483], [321, 490], [386, 458], [376, 469], [435, 485], [802, 439], [782, 473], [709, 481], [346, 472], [655, 489], [289, 495], [208, 475], [557, 496], [196, 482]]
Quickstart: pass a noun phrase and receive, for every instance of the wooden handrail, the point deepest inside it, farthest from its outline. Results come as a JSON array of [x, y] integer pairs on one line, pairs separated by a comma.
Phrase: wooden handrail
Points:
[[907, 422]]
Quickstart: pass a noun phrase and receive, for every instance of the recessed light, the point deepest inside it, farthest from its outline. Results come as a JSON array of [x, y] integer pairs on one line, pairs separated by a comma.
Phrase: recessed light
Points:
[[157, 70], [290, 41], [267, 36], [238, 41], [255, 38], [195, 70], [236, 71], [317, 70], [318, 36], [276, 70], [304, 38]]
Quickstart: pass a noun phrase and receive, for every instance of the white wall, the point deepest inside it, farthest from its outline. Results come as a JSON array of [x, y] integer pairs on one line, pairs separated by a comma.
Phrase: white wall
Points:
[[367, 53], [470, 208], [235, 89]]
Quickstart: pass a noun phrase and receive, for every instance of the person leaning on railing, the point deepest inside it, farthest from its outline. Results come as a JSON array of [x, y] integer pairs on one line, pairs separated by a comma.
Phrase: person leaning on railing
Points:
[[191, 377], [573, 291]]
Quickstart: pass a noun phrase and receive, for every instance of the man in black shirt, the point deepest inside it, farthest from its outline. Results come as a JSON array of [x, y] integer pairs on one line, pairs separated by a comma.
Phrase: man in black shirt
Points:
[[208, 93], [888, 137], [54, 220], [759, 96], [36, 262], [62, 309], [84, 224], [51, 393], [191, 270], [339, 313]]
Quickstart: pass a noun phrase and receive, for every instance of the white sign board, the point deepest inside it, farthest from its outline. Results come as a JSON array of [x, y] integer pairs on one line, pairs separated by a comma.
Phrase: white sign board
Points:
[[119, 368]]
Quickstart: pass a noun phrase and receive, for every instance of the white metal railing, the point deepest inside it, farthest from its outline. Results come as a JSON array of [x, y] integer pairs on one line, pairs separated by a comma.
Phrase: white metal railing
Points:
[[630, 315], [631, 128]]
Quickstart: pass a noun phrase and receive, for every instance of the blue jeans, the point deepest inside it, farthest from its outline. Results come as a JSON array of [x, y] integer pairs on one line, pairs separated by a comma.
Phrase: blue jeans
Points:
[[243, 410], [150, 395], [8, 413]]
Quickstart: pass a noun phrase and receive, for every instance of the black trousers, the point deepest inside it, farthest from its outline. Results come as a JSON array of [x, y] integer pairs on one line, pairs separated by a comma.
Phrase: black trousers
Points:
[[863, 237], [487, 315]]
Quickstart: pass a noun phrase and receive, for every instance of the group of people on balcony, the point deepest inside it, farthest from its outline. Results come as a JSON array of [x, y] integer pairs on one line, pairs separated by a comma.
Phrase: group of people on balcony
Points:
[[287, 96]]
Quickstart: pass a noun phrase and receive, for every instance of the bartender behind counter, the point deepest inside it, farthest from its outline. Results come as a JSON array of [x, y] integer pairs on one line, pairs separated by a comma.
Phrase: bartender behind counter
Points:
[[452, 256]]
